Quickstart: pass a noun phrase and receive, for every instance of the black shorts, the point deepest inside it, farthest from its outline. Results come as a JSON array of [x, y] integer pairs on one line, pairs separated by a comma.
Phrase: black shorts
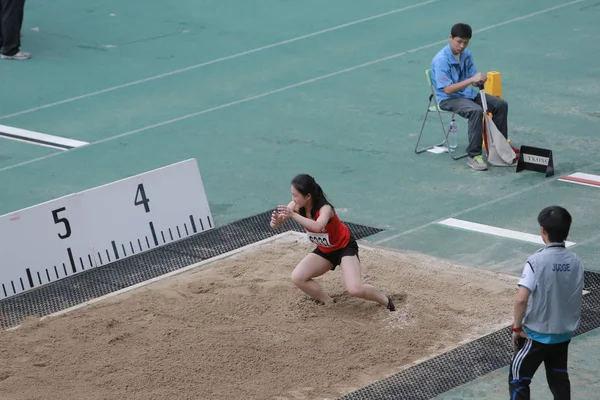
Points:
[[335, 257]]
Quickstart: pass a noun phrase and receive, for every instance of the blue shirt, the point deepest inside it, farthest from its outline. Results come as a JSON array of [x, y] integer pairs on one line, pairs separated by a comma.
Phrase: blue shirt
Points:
[[446, 70], [547, 338]]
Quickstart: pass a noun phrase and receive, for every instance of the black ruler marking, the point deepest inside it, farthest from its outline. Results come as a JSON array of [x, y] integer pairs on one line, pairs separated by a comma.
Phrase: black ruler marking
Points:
[[29, 278], [114, 246], [124, 252], [74, 266], [163, 236], [71, 260], [13, 286], [193, 223], [4, 289], [201, 224], [187, 233], [209, 223], [153, 235]]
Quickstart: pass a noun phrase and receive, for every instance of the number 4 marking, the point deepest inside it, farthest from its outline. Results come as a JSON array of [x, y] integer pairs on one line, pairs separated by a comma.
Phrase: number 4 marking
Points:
[[140, 192]]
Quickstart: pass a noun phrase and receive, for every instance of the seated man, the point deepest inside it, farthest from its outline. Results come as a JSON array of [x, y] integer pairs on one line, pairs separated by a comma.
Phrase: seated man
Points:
[[453, 73]]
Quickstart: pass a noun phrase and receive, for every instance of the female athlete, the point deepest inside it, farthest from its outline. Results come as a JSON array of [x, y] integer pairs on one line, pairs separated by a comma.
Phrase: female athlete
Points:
[[335, 245]]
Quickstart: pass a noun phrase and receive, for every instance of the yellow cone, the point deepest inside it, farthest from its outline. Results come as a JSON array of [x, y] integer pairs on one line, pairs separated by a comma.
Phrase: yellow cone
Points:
[[493, 85]]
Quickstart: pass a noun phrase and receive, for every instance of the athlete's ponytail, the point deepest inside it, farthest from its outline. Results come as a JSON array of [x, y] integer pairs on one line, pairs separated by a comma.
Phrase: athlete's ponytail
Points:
[[320, 193], [306, 185]]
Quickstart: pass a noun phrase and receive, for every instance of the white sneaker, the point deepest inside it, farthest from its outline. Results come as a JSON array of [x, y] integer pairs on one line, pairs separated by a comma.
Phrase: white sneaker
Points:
[[477, 163], [19, 56]]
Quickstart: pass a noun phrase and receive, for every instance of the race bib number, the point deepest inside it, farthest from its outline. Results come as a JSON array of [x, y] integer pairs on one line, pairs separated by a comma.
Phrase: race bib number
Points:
[[320, 239]]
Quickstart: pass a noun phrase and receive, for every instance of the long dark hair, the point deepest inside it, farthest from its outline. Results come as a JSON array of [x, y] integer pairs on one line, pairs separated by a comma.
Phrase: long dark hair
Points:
[[306, 185]]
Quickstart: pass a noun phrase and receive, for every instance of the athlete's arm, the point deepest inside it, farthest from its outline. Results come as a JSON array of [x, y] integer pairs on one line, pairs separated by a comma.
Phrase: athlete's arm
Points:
[[278, 218], [325, 214]]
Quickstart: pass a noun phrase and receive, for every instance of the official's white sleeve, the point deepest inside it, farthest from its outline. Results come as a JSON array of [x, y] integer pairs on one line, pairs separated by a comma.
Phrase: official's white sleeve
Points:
[[527, 277]]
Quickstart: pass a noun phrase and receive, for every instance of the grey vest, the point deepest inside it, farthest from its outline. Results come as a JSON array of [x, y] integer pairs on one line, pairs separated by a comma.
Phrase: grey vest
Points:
[[554, 305]]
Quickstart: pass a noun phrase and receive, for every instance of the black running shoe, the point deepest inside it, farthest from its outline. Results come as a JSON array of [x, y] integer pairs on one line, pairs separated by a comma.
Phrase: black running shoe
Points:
[[391, 305]]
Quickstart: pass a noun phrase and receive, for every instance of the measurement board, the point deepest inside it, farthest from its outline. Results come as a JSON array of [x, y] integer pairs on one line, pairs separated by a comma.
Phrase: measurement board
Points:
[[85, 230]]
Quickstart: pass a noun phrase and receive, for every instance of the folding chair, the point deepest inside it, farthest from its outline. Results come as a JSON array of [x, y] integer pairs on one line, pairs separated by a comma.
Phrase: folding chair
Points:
[[436, 108]]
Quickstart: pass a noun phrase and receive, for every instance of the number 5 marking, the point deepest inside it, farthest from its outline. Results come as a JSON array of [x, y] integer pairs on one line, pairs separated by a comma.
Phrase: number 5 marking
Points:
[[62, 220]]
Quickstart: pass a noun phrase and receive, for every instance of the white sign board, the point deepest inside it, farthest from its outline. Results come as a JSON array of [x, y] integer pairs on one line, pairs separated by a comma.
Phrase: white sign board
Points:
[[69, 235]]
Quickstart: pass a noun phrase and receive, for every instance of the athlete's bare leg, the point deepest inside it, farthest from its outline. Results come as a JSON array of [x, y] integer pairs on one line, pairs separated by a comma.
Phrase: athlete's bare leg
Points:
[[351, 271], [311, 267]]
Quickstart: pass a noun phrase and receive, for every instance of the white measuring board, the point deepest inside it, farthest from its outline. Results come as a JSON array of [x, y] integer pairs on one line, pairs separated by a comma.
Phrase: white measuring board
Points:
[[71, 234]]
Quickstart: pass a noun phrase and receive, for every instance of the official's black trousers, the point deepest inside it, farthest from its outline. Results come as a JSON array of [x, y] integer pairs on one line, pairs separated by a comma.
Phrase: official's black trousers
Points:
[[11, 21], [525, 362]]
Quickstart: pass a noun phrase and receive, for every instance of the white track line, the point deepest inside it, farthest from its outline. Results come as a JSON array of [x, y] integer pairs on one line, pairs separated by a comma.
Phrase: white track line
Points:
[[40, 139], [581, 178], [204, 64], [493, 230], [161, 277], [467, 210], [479, 206], [258, 96]]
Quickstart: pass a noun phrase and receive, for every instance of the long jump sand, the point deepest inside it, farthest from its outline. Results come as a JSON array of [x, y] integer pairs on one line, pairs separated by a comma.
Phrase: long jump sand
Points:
[[237, 328]]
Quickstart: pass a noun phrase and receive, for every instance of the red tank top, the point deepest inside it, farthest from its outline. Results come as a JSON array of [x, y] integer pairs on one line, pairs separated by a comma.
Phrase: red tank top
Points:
[[336, 235]]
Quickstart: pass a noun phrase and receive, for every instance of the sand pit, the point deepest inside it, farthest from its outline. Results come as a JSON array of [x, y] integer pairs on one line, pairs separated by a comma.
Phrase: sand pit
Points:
[[236, 328]]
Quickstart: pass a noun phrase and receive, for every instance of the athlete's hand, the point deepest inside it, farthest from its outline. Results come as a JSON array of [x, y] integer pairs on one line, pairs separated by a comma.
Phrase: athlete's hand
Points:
[[274, 217], [277, 219], [285, 211]]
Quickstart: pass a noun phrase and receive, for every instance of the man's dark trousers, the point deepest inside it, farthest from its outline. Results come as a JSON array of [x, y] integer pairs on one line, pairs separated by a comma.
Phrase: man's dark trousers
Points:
[[525, 362], [472, 110], [11, 21]]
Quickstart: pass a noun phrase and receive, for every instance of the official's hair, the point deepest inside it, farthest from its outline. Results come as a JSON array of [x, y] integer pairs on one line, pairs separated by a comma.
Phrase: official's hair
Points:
[[556, 221], [462, 31], [306, 185]]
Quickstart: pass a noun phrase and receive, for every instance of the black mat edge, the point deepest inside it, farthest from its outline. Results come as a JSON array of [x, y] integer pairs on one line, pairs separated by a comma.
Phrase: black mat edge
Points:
[[463, 364]]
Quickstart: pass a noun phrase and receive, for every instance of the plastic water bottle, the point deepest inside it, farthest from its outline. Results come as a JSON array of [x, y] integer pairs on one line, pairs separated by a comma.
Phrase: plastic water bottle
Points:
[[452, 135]]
